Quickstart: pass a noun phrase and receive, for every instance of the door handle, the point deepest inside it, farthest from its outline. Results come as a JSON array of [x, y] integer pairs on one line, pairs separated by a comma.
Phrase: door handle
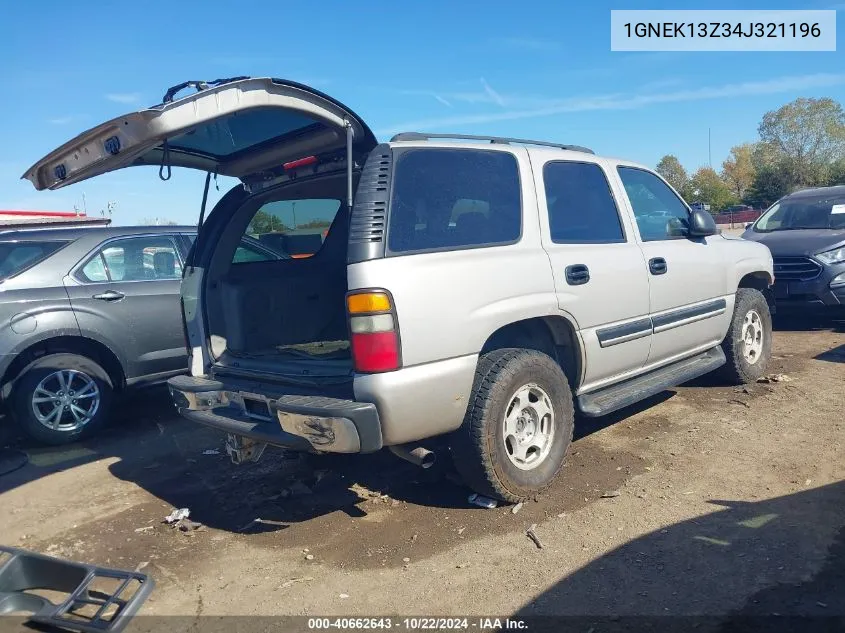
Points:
[[657, 266], [109, 295], [577, 274]]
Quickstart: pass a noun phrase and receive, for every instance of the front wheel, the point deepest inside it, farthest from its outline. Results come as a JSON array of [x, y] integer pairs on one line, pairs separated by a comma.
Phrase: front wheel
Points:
[[61, 398], [518, 425], [748, 343]]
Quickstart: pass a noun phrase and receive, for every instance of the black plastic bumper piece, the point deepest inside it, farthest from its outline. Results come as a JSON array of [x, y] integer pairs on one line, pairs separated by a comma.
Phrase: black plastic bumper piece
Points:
[[363, 415], [621, 395], [98, 599], [192, 384], [269, 432]]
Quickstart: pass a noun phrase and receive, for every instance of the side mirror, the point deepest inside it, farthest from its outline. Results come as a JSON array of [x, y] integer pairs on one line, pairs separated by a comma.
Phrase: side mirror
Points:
[[702, 224], [748, 225]]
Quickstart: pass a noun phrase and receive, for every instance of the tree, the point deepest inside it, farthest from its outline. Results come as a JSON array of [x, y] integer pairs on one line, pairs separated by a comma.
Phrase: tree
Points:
[[671, 169], [808, 135], [771, 183], [316, 224], [263, 222], [706, 186], [738, 169], [837, 173]]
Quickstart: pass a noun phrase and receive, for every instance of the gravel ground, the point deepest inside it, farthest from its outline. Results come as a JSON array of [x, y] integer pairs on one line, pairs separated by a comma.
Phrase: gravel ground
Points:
[[705, 500]]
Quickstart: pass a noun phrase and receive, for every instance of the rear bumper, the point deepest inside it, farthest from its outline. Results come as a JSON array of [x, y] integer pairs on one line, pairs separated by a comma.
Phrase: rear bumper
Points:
[[305, 423]]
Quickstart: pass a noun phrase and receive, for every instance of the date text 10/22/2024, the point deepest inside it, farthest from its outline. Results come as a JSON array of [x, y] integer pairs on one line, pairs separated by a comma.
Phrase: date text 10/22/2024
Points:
[[419, 624]]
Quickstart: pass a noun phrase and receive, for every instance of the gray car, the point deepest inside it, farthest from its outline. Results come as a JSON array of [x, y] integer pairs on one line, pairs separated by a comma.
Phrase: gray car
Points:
[[805, 231], [86, 313]]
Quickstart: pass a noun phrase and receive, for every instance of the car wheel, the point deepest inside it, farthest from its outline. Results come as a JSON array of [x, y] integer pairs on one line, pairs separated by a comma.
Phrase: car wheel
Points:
[[748, 343], [61, 398], [518, 425]]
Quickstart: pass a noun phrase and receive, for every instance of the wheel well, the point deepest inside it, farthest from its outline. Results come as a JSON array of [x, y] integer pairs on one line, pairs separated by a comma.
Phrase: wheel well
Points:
[[89, 348], [759, 281], [552, 335]]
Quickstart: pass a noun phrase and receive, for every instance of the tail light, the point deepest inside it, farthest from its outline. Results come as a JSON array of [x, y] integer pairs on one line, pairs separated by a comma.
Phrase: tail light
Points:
[[374, 332]]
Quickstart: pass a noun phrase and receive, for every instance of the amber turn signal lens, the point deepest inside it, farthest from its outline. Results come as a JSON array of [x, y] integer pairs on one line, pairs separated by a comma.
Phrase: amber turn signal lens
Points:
[[368, 302]]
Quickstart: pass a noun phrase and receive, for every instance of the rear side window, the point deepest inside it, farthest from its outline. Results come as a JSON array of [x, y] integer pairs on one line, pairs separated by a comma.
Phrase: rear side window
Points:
[[454, 198], [15, 257], [286, 229], [581, 206]]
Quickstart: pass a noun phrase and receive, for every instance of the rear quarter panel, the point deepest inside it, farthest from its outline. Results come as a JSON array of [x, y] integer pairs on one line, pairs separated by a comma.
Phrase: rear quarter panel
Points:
[[32, 311]]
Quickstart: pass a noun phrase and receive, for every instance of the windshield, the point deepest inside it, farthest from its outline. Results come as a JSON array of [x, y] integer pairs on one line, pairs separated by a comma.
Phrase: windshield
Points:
[[791, 214], [15, 257]]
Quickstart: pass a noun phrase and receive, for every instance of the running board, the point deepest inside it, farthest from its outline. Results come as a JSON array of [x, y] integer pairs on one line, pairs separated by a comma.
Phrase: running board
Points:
[[633, 390]]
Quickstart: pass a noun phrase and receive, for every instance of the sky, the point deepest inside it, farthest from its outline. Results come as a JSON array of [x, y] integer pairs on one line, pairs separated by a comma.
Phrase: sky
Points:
[[529, 69]]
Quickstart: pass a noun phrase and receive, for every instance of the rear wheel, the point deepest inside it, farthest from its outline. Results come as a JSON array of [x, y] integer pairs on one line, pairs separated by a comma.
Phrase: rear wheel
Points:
[[518, 426], [61, 398], [748, 343]]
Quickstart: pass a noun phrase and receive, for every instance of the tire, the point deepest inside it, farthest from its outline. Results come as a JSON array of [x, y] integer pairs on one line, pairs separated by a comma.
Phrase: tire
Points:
[[742, 365], [485, 455], [89, 382]]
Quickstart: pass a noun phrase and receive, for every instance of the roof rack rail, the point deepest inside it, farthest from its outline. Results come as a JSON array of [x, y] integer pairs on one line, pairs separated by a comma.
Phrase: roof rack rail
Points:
[[421, 136]]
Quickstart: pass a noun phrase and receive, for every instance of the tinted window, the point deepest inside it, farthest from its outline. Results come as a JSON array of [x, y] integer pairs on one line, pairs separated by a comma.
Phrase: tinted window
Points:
[[145, 258], [287, 228], [17, 256], [580, 204], [245, 254], [660, 214], [454, 198], [237, 132]]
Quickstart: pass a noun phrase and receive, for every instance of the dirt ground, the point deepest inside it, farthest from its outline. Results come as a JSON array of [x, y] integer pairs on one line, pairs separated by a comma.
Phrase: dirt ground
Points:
[[705, 500]]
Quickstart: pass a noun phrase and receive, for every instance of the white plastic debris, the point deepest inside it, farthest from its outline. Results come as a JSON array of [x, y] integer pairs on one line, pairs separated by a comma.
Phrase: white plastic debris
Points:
[[343, 596], [177, 515], [211, 451], [516, 508], [293, 581], [482, 502], [530, 533], [775, 378]]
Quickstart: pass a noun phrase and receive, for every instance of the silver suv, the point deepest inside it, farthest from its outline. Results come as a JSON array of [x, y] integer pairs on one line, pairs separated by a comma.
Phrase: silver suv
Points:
[[478, 289]]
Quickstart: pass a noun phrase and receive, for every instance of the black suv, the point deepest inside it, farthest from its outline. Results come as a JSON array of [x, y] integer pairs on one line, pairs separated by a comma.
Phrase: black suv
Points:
[[87, 312], [805, 231]]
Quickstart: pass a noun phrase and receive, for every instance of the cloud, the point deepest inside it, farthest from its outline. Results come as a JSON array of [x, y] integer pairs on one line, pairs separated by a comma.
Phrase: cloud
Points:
[[629, 101], [61, 120], [494, 96], [442, 100], [124, 97], [529, 44]]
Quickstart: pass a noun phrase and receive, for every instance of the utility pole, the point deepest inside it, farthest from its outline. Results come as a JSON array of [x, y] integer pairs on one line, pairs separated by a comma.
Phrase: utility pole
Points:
[[709, 152]]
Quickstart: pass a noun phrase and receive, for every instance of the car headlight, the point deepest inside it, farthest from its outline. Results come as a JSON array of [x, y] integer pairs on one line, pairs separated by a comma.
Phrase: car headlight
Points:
[[838, 281], [836, 256]]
